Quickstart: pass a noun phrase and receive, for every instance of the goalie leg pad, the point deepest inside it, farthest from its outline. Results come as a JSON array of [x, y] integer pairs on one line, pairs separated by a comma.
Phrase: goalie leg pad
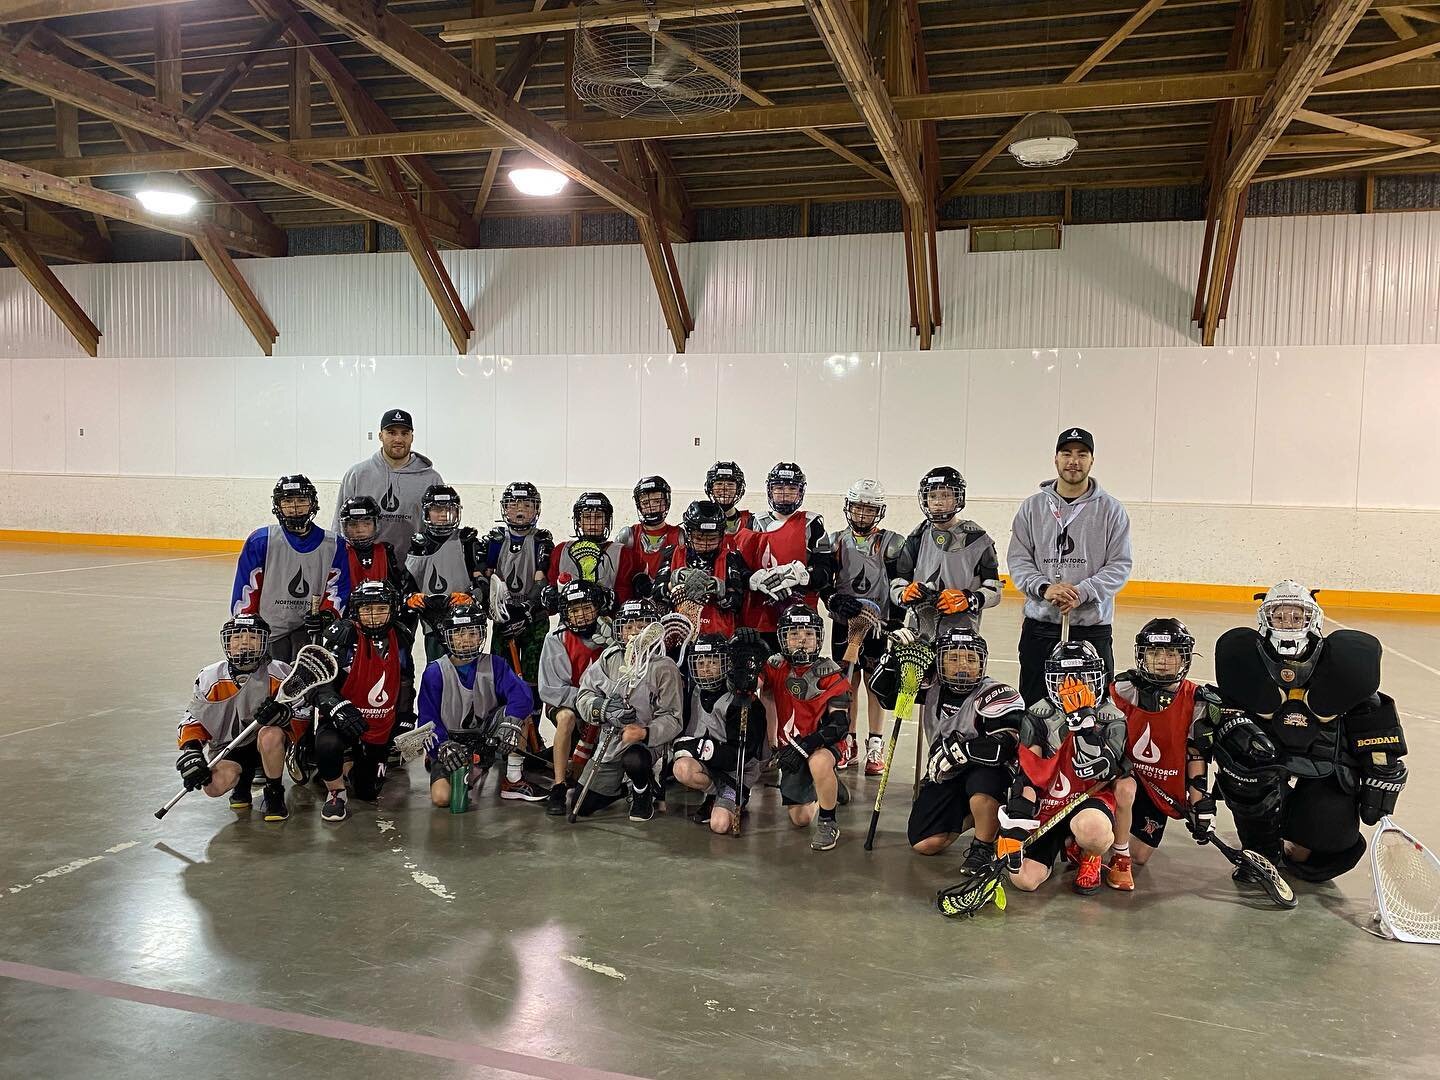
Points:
[[1322, 816], [1327, 865]]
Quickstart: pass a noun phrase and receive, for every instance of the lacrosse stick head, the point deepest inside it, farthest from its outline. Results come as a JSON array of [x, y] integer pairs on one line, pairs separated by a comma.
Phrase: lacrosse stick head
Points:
[[861, 626], [1407, 885], [639, 652], [968, 898], [915, 658], [314, 667], [681, 627], [412, 744]]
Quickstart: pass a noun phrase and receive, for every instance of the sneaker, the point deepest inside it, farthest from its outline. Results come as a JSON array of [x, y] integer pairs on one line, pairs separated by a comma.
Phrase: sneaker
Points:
[[523, 790], [978, 857], [1119, 874], [241, 798], [849, 751], [555, 802], [275, 808], [642, 804], [875, 757], [827, 834], [335, 808], [702, 816], [1087, 878], [1071, 851]]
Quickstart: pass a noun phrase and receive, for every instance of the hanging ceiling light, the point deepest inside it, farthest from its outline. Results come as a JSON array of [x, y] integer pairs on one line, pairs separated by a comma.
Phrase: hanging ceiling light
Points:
[[163, 193], [531, 176], [1043, 139]]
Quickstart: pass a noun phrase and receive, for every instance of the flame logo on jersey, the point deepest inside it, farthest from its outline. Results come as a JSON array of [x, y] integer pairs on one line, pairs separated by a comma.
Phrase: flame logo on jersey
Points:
[[514, 582], [390, 502], [861, 583], [378, 697], [299, 587], [437, 584], [1145, 750], [1061, 788]]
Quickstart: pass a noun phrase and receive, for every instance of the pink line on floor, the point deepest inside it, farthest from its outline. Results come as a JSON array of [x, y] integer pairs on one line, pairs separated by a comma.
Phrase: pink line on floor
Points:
[[404, 1041]]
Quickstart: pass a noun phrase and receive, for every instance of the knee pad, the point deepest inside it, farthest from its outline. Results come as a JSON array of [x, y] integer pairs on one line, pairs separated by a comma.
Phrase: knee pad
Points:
[[1326, 865], [329, 754], [637, 765]]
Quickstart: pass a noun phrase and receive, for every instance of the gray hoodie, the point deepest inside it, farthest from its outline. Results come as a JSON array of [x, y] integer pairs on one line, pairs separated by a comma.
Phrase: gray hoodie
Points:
[[397, 491], [1096, 558]]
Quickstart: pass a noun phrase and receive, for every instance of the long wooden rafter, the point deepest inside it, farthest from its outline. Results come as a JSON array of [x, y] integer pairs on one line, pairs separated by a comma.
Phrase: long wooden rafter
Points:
[[658, 255], [620, 14], [43, 280]]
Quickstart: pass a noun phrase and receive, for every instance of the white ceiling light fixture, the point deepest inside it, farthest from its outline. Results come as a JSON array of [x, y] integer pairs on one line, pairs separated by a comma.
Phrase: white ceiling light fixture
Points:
[[164, 193], [1043, 139], [531, 176]]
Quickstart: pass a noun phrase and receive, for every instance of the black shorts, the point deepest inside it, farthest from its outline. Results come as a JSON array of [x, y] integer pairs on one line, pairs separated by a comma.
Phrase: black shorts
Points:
[[798, 788], [871, 650], [942, 809], [1147, 821], [1048, 846]]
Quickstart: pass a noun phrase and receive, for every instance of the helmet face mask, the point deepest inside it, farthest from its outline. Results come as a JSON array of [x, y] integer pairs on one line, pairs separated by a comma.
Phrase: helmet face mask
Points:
[[294, 502], [725, 484], [785, 488], [709, 661], [1290, 620], [359, 531], [246, 642], [579, 610], [463, 634], [373, 618], [440, 511], [1163, 650], [1074, 660], [961, 657], [942, 494], [798, 631], [703, 526], [863, 517], [652, 500], [520, 505], [592, 516], [633, 617], [372, 606]]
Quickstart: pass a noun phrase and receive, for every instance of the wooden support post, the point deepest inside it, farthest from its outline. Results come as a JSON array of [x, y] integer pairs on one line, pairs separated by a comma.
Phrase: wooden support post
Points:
[[635, 168], [67, 129], [169, 67], [57, 298], [209, 247], [299, 93], [1368, 197]]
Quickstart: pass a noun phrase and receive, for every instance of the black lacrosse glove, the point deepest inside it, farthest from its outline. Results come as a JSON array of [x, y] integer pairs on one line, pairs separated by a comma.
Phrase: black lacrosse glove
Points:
[[194, 770], [270, 713], [345, 718], [452, 757]]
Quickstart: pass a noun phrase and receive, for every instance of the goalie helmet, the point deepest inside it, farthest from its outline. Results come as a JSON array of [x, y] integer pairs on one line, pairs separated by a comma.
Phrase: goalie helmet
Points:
[[646, 491], [439, 511], [294, 486], [1074, 660], [1290, 620], [634, 616], [703, 524], [592, 516], [725, 472], [575, 597], [865, 506], [1163, 634], [785, 474], [950, 653], [798, 630], [372, 606], [938, 480], [709, 661], [513, 504], [360, 522], [462, 631], [246, 641]]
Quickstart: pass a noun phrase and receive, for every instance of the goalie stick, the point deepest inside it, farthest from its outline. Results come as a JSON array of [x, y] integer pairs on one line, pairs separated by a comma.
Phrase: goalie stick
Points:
[[1261, 869], [314, 667], [1407, 886]]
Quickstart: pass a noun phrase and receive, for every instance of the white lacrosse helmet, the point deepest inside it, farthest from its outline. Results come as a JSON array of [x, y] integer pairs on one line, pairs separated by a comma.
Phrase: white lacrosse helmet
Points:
[[869, 493], [1290, 619]]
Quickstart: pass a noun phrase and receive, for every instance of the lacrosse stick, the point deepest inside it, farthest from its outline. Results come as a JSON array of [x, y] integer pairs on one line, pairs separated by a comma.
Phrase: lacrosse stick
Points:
[[314, 667], [1261, 869], [915, 661], [640, 652], [413, 744], [681, 628], [1407, 886], [740, 769], [968, 897], [586, 554]]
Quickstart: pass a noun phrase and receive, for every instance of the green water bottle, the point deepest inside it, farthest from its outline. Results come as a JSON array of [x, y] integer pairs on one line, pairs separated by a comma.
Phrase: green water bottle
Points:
[[459, 791]]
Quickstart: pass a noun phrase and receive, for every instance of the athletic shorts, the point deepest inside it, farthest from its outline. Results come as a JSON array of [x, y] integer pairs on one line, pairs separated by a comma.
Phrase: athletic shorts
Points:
[[944, 808], [1147, 822], [871, 650], [1048, 846], [798, 788]]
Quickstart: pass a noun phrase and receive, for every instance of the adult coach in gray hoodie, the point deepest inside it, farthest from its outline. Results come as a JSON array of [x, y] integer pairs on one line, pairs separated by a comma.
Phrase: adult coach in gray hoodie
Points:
[[395, 477], [1069, 554]]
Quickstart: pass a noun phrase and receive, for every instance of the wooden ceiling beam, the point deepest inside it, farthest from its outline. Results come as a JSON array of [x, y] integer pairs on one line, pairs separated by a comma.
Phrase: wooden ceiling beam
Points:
[[1399, 52], [1355, 127], [620, 14], [43, 280], [211, 248], [1354, 164], [25, 10], [663, 271], [240, 65]]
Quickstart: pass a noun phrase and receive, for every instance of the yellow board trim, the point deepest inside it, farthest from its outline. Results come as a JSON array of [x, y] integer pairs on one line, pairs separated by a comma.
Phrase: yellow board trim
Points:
[[1134, 590]]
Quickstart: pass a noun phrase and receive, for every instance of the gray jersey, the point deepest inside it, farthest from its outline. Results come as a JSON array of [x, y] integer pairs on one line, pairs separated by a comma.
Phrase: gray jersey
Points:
[[657, 700], [557, 683], [860, 564], [443, 570], [960, 557], [398, 491], [990, 702], [1084, 542], [607, 568], [223, 705], [515, 564], [468, 710], [711, 722], [291, 578]]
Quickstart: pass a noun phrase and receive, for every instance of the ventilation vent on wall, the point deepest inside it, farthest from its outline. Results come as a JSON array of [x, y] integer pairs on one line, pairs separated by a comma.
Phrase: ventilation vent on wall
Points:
[[1044, 237]]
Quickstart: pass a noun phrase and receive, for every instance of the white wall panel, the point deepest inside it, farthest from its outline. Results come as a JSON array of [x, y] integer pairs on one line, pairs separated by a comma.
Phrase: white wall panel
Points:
[[1307, 425], [146, 402], [757, 407], [460, 406], [92, 415], [327, 401], [392, 382], [266, 415], [27, 325], [205, 418], [1400, 439], [837, 429], [678, 396], [1112, 394], [922, 417], [1206, 454], [1013, 416], [37, 414], [530, 415], [5, 416], [603, 433]]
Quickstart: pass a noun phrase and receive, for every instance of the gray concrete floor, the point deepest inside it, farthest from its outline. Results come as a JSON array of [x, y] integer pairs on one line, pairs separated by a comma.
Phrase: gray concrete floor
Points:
[[740, 958]]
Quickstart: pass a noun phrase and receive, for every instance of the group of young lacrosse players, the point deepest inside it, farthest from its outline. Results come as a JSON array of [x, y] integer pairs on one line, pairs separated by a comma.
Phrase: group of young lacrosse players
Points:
[[691, 657]]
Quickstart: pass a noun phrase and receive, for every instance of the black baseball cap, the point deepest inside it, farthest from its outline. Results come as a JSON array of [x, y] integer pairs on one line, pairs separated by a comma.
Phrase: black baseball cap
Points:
[[396, 418], [1075, 434]]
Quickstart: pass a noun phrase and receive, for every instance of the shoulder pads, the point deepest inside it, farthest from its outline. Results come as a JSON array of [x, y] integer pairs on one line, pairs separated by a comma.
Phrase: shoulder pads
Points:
[[1206, 694], [1346, 674], [543, 534], [998, 700], [1240, 672], [417, 544], [497, 532], [892, 544], [973, 530], [775, 663], [824, 667]]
